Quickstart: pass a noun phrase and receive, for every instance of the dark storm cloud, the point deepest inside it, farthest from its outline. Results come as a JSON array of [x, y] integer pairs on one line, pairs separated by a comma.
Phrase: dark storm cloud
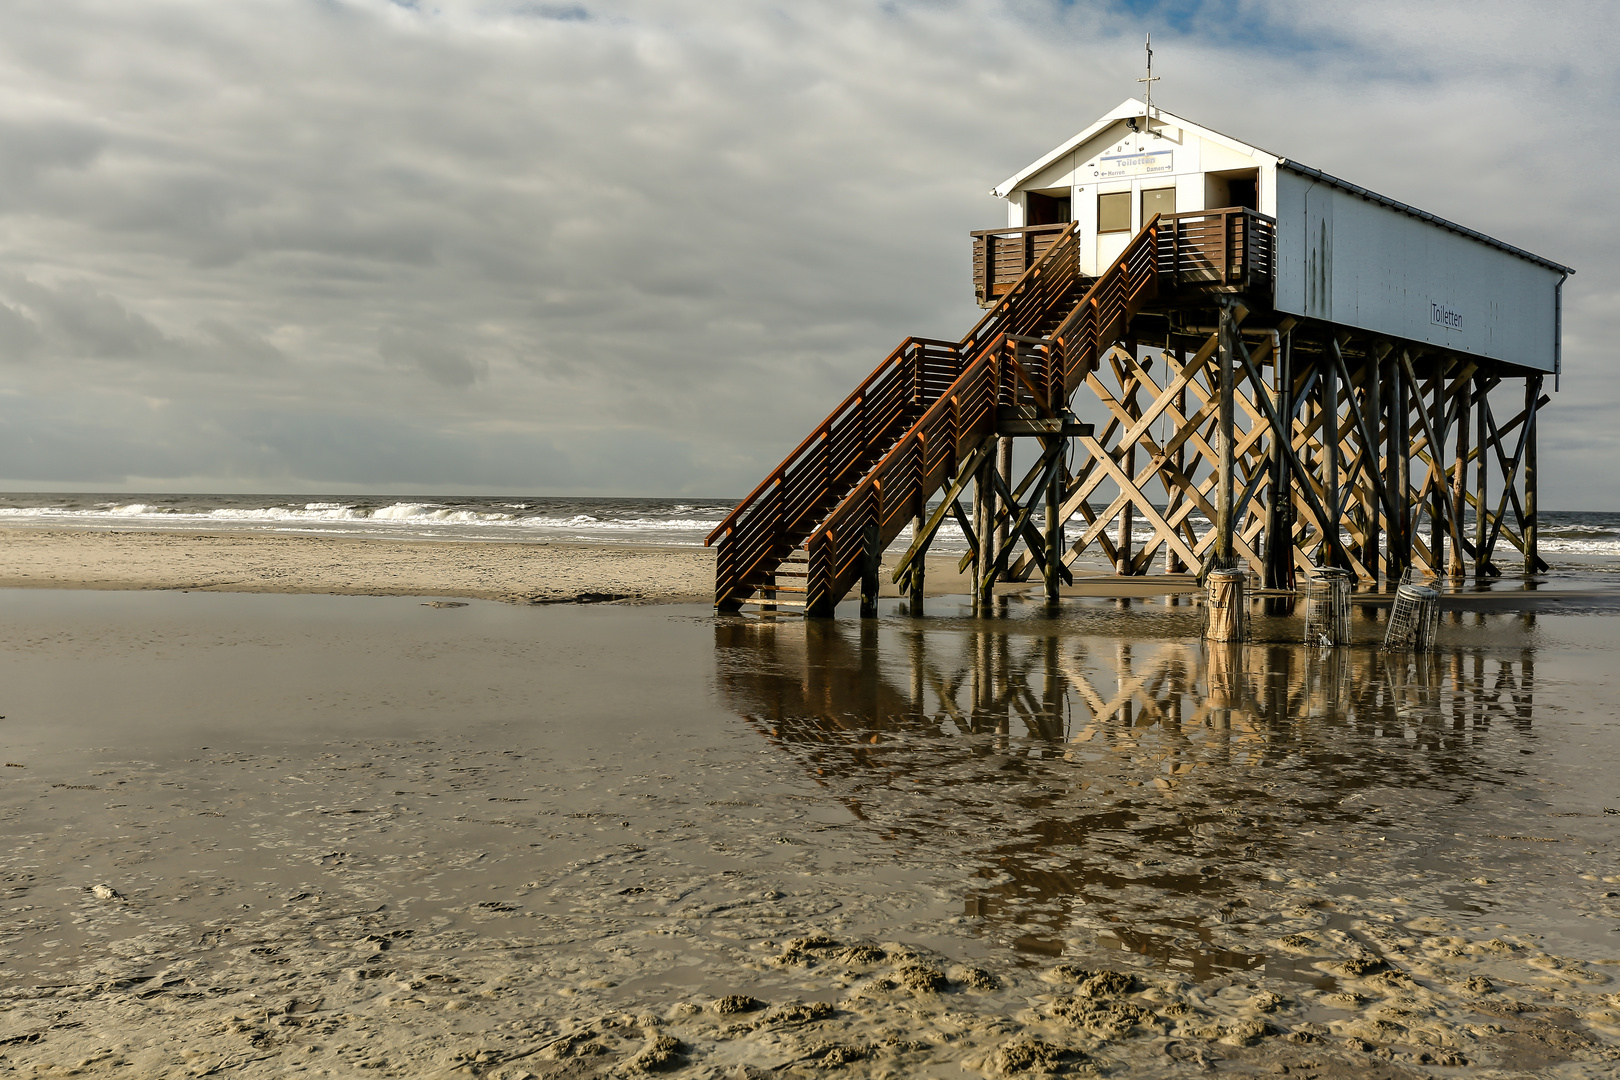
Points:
[[636, 246]]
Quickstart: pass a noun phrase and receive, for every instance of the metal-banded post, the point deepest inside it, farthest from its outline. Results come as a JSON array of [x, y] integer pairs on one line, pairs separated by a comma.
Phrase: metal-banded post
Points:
[[1227, 606]]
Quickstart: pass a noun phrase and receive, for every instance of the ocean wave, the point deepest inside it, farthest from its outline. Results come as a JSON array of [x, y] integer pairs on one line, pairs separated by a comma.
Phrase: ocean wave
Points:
[[1563, 546]]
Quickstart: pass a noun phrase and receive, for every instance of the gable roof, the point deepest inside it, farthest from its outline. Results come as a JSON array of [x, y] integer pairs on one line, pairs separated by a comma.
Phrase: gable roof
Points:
[[1129, 109], [1134, 108]]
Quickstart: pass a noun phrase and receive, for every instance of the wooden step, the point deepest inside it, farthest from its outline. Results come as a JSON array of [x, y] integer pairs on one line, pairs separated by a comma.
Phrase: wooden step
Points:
[[768, 601], [782, 588]]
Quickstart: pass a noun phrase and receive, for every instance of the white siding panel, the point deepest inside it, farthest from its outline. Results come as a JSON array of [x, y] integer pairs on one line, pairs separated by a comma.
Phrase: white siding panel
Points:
[[1364, 265]]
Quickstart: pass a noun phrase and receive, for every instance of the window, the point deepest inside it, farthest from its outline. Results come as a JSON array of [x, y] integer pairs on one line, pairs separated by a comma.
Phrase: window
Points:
[[1114, 212], [1158, 201]]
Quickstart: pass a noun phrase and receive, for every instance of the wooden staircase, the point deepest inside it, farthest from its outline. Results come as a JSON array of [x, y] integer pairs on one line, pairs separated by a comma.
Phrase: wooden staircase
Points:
[[849, 489]]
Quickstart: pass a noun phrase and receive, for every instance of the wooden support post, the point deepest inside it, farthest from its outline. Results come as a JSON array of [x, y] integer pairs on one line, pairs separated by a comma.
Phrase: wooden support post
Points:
[[872, 557], [1397, 441], [1172, 561], [1279, 521], [1437, 492], [1459, 478], [1004, 465], [1376, 408], [983, 557], [1122, 544], [918, 567], [1532, 554], [1330, 447], [1125, 559], [1481, 484], [1054, 527], [1224, 550]]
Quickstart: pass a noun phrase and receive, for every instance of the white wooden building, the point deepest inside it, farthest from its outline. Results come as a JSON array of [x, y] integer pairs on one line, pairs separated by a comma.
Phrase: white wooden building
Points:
[[1343, 254]]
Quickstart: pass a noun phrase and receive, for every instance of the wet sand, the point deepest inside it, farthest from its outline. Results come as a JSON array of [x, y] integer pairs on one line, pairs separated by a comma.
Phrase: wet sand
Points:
[[363, 836]]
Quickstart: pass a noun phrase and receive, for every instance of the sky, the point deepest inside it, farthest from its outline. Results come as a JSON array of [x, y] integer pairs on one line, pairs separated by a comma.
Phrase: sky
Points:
[[620, 247]]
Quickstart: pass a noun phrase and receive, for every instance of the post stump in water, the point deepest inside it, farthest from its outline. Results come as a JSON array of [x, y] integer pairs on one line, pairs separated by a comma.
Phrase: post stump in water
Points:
[[1228, 607]]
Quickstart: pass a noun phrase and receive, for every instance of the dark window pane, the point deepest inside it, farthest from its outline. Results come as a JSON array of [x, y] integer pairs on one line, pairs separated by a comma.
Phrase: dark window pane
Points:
[[1158, 201], [1114, 212]]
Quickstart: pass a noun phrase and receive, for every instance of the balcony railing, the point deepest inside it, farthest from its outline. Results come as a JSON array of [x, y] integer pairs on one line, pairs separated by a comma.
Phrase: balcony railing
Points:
[[1000, 256], [1230, 249]]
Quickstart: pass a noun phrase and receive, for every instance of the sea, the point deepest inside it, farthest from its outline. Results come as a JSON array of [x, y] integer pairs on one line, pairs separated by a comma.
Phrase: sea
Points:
[[1587, 541]]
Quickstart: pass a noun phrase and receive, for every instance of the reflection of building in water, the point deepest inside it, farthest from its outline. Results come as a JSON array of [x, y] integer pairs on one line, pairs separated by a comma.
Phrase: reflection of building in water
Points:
[[1121, 786]]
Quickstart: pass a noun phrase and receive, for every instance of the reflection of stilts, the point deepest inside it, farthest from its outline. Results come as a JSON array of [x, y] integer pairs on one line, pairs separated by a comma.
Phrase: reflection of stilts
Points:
[[1227, 691], [838, 683], [1413, 685], [1326, 672]]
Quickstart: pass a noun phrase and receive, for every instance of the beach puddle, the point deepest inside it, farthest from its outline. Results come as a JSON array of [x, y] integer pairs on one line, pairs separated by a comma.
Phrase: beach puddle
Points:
[[363, 837]]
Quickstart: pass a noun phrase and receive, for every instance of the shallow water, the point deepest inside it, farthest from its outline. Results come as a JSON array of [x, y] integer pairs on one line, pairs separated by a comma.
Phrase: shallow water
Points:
[[353, 833]]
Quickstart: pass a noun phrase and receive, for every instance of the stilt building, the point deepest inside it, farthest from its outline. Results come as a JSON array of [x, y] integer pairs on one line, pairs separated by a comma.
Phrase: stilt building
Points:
[[1265, 365]]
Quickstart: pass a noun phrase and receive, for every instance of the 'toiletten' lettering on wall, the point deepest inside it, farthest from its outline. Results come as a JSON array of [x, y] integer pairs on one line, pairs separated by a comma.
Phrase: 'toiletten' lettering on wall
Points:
[[1440, 315]]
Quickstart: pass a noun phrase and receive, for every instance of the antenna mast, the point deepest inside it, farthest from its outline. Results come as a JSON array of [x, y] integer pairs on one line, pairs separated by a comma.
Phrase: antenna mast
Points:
[[1149, 81]]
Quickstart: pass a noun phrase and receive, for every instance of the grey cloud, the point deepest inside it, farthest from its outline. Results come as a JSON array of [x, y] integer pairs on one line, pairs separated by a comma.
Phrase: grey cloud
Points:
[[436, 359], [480, 233]]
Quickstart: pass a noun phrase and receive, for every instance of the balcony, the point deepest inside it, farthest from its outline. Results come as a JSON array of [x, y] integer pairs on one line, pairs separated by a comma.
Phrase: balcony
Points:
[[1000, 256], [1231, 249], [1227, 250]]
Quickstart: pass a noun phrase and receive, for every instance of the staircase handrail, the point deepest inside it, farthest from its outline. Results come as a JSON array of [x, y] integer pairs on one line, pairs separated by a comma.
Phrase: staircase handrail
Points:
[[1003, 309], [1130, 279]]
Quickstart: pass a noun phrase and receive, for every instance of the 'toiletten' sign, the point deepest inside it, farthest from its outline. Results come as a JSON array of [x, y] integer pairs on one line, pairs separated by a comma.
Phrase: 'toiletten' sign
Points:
[[1440, 315], [1153, 161]]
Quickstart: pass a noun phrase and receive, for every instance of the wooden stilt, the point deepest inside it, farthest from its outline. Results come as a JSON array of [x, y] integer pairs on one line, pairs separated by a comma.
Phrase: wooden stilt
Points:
[[1279, 521], [1004, 466], [1531, 530], [1459, 475], [1400, 475], [1437, 491], [1330, 449], [1172, 561], [918, 569], [873, 558], [1223, 483], [1481, 483], [1054, 530], [1125, 558], [1376, 411], [982, 556]]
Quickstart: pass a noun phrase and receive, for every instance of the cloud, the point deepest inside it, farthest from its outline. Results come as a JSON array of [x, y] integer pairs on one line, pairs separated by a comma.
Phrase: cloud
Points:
[[650, 244]]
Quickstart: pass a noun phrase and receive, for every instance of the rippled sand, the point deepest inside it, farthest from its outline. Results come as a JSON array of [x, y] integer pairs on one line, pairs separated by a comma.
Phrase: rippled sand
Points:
[[374, 836]]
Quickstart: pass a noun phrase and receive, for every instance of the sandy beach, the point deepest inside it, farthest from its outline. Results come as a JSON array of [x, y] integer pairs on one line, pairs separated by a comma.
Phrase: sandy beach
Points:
[[524, 573], [358, 836]]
